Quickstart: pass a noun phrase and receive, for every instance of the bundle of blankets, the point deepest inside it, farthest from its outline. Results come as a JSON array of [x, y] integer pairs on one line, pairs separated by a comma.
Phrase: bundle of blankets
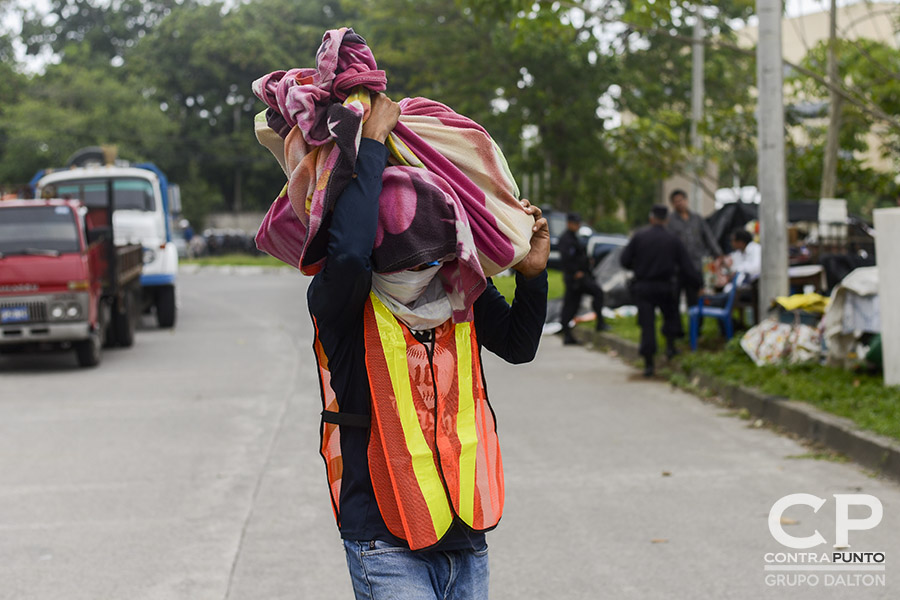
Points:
[[447, 192]]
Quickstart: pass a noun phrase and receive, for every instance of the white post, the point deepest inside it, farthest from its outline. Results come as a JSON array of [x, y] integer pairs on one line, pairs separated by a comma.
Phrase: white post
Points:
[[772, 182], [887, 251], [697, 92]]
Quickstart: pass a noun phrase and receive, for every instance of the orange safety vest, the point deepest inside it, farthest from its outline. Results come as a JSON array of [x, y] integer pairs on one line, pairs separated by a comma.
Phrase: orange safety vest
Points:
[[433, 449]]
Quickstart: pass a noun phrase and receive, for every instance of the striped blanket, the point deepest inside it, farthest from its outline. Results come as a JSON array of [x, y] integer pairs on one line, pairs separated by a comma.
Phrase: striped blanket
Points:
[[447, 194]]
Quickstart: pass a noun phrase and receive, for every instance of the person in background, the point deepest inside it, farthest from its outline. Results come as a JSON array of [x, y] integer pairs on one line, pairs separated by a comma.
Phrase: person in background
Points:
[[578, 279], [695, 234], [659, 261], [741, 267], [746, 259], [186, 230]]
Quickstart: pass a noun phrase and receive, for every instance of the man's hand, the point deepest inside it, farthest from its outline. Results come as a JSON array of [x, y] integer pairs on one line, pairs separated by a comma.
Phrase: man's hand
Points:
[[535, 261], [383, 115]]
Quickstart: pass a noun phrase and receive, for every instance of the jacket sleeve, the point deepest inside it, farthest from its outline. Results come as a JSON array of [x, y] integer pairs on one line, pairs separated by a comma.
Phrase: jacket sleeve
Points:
[[513, 332], [338, 292]]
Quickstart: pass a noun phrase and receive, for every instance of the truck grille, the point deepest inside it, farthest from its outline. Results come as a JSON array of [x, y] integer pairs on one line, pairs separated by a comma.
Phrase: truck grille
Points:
[[37, 311]]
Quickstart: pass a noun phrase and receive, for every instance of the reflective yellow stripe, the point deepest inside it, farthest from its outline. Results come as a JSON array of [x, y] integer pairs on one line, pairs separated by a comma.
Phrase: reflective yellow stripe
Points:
[[465, 424], [394, 345]]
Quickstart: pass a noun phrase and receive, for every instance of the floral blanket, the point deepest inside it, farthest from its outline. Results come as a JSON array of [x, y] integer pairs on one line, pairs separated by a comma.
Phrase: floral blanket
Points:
[[447, 195]]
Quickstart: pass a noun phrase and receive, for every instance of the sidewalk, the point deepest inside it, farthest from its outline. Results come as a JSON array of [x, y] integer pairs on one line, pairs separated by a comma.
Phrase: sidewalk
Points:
[[876, 452], [628, 488]]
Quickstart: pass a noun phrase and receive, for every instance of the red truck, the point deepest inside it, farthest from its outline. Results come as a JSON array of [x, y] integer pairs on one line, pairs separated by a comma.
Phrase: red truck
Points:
[[63, 282]]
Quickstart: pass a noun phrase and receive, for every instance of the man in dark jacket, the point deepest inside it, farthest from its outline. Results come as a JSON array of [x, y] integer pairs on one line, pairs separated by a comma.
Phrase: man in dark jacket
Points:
[[578, 278], [697, 237], [382, 565], [659, 261]]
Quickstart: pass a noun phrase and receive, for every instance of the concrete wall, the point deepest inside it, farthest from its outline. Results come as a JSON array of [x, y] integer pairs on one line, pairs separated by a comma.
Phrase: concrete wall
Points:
[[248, 222], [887, 249]]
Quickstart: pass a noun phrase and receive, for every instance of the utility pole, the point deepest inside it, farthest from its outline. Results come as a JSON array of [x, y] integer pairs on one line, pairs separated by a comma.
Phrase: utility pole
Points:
[[772, 181], [829, 168], [698, 168]]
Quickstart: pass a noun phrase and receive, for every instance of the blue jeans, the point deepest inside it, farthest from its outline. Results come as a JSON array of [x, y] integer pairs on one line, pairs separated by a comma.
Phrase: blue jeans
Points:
[[381, 571]]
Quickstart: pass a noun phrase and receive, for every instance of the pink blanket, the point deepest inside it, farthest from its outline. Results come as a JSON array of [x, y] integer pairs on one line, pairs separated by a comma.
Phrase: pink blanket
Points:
[[448, 194]]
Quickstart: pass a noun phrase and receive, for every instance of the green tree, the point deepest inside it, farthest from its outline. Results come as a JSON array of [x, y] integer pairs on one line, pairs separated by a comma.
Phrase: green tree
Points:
[[643, 48], [71, 106], [869, 70], [203, 84], [531, 83], [108, 29], [11, 92]]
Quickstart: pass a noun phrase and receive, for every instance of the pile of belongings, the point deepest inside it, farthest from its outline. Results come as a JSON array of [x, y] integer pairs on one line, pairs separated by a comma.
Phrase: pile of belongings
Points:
[[853, 316], [447, 193], [792, 338], [773, 342]]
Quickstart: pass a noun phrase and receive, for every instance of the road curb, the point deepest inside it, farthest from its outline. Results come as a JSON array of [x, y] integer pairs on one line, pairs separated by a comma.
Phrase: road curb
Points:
[[876, 452]]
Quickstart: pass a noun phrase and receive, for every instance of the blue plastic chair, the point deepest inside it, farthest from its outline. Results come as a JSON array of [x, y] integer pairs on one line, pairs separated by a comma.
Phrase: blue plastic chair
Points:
[[722, 313]]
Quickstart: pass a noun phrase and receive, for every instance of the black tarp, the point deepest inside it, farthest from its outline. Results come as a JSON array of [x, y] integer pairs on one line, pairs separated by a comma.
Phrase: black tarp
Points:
[[737, 214], [614, 279], [728, 218]]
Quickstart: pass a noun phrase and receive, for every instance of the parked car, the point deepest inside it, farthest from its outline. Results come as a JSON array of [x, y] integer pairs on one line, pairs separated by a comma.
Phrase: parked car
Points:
[[228, 241], [556, 222], [598, 245], [601, 244]]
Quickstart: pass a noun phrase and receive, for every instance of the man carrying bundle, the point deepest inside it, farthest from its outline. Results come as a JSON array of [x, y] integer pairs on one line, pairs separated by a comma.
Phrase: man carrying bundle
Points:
[[401, 220], [419, 449]]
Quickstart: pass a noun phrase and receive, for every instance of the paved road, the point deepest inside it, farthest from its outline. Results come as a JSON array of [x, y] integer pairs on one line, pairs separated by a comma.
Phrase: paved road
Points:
[[187, 468]]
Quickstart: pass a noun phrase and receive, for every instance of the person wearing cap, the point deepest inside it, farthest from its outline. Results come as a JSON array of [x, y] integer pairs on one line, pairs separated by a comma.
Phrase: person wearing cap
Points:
[[660, 262], [578, 278]]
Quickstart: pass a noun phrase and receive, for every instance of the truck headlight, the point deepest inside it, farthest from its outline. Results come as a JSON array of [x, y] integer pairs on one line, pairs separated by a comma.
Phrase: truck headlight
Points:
[[57, 311], [149, 255], [73, 311]]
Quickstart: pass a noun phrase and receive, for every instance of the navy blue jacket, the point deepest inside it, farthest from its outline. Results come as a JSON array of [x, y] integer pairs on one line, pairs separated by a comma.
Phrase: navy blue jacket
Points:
[[337, 297]]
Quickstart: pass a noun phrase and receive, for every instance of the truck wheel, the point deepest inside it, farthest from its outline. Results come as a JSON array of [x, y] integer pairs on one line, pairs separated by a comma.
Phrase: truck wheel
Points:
[[107, 324], [165, 306], [88, 351], [123, 322]]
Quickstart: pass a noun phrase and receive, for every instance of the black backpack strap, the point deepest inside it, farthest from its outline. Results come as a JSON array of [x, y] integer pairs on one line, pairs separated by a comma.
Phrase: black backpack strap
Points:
[[346, 419]]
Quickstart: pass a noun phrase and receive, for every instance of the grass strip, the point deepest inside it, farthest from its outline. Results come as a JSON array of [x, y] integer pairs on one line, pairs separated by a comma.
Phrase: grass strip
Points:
[[235, 260], [506, 285], [859, 396]]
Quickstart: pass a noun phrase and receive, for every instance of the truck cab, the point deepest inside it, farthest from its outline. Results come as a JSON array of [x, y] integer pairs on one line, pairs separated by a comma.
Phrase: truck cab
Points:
[[62, 281], [142, 201]]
